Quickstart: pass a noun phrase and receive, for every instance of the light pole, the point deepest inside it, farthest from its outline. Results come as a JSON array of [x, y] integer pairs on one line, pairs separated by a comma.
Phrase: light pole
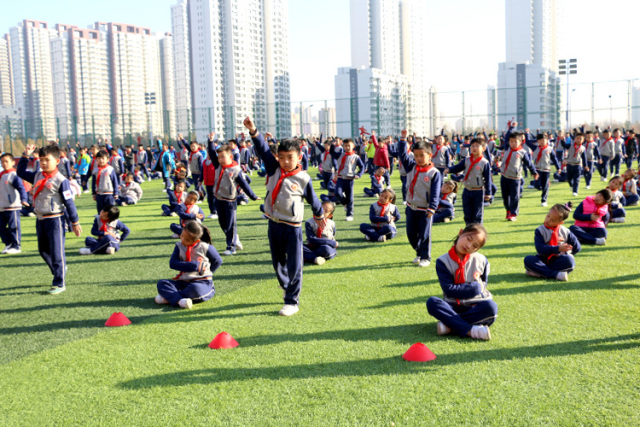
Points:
[[567, 67], [569, 108], [150, 99], [610, 112]]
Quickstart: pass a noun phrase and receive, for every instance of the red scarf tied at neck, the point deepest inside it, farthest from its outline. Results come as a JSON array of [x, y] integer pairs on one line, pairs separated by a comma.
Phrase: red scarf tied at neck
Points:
[[418, 171], [283, 176], [459, 276], [37, 189]]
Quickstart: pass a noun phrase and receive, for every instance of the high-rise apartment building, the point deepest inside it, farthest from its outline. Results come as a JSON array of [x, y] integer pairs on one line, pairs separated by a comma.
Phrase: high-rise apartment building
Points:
[[167, 74], [182, 68], [327, 121], [6, 74], [238, 57]]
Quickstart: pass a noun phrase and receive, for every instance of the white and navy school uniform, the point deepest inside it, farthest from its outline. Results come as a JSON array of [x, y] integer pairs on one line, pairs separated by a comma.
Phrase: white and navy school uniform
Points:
[[283, 205], [607, 151], [576, 161], [117, 164], [227, 179], [196, 265], [130, 193], [52, 200], [403, 171], [175, 199], [383, 219], [446, 207], [593, 154], [195, 166], [543, 158], [187, 214], [377, 185], [441, 158], [141, 159], [350, 167], [630, 191], [618, 154], [329, 166], [65, 167], [466, 300], [321, 242], [549, 261], [617, 203], [104, 187], [12, 195], [477, 185], [423, 194], [513, 162], [104, 239]]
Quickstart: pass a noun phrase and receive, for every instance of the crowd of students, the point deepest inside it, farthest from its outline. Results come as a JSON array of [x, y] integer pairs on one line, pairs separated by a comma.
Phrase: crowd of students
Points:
[[46, 181]]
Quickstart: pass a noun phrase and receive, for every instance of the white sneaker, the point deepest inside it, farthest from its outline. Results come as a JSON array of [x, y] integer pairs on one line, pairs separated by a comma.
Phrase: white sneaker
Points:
[[382, 239], [480, 332], [404, 203], [513, 218], [563, 276], [110, 250], [229, 252], [349, 218], [4, 251], [199, 202], [366, 237], [125, 204], [31, 214], [85, 251], [85, 192], [149, 179], [288, 310], [618, 220], [588, 187], [543, 204], [185, 303], [530, 187], [173, 214], [600, 241], [446, 220], [242, 202], [319, 260], [213, 216], [159, 299], [442, 328], [575, 194], [416, 260], [13, 251], [175, 236], [239, 244], [603, 178], [424, 263]]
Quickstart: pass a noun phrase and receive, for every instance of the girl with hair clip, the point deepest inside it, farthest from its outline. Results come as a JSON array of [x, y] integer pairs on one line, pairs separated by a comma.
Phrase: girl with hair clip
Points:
[[196, 260], [446, 206], [591, 217], [467, 307], [555, 245], [383, 216]]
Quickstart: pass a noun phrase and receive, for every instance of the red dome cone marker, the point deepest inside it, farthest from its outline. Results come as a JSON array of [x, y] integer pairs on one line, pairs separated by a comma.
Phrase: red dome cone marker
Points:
[[419, 353], [117, 319], [223, 340]]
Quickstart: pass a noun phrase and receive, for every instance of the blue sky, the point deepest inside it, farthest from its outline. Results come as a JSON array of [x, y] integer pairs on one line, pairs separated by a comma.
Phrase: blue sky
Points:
[[465, 38]]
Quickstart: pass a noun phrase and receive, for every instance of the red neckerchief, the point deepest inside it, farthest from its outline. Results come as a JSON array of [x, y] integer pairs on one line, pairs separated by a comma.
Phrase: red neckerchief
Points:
[[610, 139], [576, 149], [418, 171], [438, 147], [92, 163], [624, 185], [3, 173], [100, 169], [444, 195], [104, 227], [471, 165], [187, 256], [553, 241], [344, 158], [384, 208], [178, 197], [191, 154], [319, 231], [540, 151], [37, 189], [283, 176], [111, 159], [511, 150], [459, 275], [378, 178], [230, 165], [324, 158]]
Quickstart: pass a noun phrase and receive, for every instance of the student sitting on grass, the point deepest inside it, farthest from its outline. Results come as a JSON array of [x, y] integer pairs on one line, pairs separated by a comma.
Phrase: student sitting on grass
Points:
[[107, 227], [130, 191], [617, 212], [555, 245], [377, 183], [176, 198], [383, 216], [188, 212], [196, 259], [467, 307], [591, 216], [446, 206], [321, 240]]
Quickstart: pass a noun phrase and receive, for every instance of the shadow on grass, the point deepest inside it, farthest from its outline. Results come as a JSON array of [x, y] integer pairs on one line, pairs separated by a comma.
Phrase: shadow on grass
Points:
[[381, 366]]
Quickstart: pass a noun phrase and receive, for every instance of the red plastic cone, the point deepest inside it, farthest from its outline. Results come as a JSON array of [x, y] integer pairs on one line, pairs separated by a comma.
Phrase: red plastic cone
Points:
[[419, 353], [117, 319], [223, 340]]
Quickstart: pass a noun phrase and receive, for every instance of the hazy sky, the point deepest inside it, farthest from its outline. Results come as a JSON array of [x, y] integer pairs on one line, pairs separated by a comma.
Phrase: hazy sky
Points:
[[464, 39]]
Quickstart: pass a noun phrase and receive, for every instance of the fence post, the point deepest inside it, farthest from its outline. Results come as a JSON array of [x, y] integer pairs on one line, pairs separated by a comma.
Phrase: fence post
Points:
[[463, 124]]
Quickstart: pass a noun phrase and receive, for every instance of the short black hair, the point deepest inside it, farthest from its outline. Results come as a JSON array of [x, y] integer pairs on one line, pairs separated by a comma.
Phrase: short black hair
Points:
[[606, 194], [52, 150], [102, 153], [422, 145], [479, 141], [542, 136], [289, 145], [9, 155], [113, 212]]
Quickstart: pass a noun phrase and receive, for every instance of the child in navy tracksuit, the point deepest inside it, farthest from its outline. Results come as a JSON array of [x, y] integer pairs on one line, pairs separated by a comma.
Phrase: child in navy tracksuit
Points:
[[13, 197], [513, 160], [130, 191], [187, 212], [350, 168], [383, 216], [630, 188], [53, 200], [104, 185], [227, 178], [377, 183], [327, 165], [176, 198], [593, 154], [321, 241], [424, 183], [617, 212], [467, 307], [576, 161], [195, 160], [196, 259], [446, 206], [403, 173], [555, 245], [476, 181], [607, 151], [543, 157], [441, 155], [287, 187], [591, 217], [110, 232]]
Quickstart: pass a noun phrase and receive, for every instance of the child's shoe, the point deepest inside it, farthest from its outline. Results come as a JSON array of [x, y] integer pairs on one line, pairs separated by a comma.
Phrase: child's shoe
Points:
[[382, 238], [416, 260], [288, 310], [575, 194], [442, 329], [446, 220], [619, 220], [213, 216], [160, 300], [175, 236], [12, 251], [239, 244], [366, 237], [424, 263], [229, 252], [319, 260], [563, 276], [173, 214], [349, 218], [185, 303], [480, 332], [543, 204], [125, 204], [600, 241], [85, 251], [4, 251], [534, 274], [57, 290], [110, 250]]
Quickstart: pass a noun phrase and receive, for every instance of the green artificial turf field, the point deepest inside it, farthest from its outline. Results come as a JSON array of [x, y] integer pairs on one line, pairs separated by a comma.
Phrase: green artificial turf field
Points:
[[562, 353]]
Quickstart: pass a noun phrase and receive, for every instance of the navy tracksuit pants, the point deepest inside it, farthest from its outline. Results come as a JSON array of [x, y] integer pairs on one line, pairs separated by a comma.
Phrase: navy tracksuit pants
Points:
[[176, 228], [510, 194], [604, 166], [543, 184], [573, 177], [104, 200], [419, 232], [403, 179], [99, 246], [588, 174], [227, 220], [550, 269], [444, 213], [51, 240], [344, 194], [175, 290], [127, 200], [10, 232], [375, 232], [285, 244], [461, 318], [614, 167], [473, 206], [588, 235], [168, 209], [211, 200], [310, 252]]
